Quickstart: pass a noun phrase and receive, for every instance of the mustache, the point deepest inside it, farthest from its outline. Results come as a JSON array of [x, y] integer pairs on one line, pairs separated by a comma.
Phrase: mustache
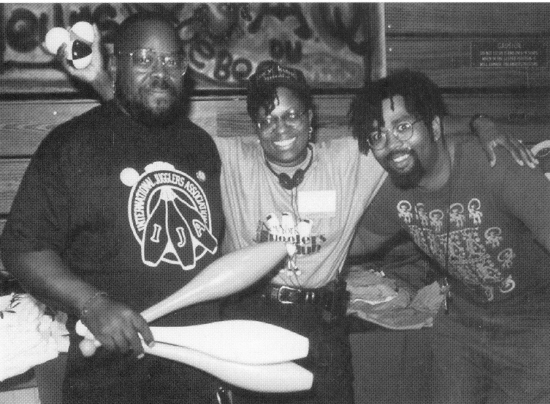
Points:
[[394, 153], [157, 83]]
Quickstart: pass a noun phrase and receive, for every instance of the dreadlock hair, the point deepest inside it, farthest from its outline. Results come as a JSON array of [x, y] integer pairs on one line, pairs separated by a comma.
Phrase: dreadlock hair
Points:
[[140, 17], [421, 95]]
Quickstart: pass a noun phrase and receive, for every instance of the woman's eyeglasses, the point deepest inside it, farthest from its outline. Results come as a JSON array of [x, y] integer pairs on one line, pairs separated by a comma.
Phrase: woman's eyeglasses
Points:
[[290, 119]]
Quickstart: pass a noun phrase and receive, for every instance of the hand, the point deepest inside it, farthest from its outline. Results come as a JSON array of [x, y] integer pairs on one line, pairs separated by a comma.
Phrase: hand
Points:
[[491, 138], [94, 74], [517, 149], [116, 326], [91, 72]]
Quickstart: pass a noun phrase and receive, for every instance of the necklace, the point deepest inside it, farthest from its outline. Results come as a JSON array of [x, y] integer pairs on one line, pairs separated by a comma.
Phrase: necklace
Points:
[[291, 184]]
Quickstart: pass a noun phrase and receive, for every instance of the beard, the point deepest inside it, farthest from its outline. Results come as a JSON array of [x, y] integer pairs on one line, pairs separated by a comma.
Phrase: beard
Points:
[[163, 113], [410, 179]]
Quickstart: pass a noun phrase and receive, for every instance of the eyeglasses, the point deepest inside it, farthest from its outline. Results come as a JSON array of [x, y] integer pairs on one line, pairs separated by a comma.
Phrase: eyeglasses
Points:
[[290, 119], [144, 59], [403, 131]]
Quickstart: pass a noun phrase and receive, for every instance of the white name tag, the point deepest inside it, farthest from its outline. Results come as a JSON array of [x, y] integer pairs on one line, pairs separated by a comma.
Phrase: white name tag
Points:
[[317, 202]]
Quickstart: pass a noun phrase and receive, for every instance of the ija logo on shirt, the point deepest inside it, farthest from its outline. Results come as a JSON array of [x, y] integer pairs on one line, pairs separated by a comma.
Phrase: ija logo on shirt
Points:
[[169, 216]]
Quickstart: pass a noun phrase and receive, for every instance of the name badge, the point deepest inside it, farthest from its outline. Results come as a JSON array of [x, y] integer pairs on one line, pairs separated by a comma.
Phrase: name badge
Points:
[[317, 203]]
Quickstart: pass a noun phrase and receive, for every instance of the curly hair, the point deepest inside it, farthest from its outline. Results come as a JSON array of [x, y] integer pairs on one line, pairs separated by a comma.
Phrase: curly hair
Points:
[[422, 98]]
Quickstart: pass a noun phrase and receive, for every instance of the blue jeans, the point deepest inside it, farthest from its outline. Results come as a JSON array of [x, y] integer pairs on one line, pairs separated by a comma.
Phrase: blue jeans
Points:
[[486, 358], [329, 357]]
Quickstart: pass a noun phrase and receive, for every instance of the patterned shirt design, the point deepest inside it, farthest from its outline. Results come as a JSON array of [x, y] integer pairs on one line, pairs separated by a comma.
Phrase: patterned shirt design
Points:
[[472, 251]]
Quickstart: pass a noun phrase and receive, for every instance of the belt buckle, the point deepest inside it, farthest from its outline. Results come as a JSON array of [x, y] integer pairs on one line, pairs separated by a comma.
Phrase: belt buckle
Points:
[[279, 294]]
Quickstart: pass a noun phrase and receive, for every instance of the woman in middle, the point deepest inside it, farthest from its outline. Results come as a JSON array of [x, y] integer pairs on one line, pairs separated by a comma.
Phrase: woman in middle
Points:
[[283, 186]]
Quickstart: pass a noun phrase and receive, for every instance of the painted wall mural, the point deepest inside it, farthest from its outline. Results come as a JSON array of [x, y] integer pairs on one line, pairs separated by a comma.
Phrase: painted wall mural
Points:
[[225, 41]]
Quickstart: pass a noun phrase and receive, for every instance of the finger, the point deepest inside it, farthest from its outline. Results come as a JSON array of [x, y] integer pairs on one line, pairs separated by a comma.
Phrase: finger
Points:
[[97, 37], [123, 341], [107, 341], [143, 328], [491, 153], [62, 57], [526, 157], [532, 157], [522, 150], [134, 343], [515, 151], [525, 152], [529, 156]]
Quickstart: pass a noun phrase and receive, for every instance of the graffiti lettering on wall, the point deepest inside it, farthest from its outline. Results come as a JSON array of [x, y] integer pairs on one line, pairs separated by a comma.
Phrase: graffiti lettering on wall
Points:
[[224, 41]]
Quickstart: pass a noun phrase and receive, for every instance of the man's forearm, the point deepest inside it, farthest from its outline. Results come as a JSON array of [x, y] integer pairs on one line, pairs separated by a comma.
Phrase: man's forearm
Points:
[[44, 275], [456, 125]]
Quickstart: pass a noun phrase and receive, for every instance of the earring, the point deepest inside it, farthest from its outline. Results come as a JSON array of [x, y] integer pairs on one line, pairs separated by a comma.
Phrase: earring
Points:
[[310, 131]]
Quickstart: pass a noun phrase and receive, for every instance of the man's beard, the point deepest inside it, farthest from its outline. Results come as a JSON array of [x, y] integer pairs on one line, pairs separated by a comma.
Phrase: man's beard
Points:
[[145, 114], [409, 179]]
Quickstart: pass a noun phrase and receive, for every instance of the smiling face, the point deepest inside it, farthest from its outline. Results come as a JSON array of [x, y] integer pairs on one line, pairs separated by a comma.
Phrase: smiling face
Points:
[[285, 139], [153, 95], [407, 161]]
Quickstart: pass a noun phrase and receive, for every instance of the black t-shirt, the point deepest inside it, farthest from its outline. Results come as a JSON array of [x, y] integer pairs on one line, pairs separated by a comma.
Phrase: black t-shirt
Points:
[[136, 211]]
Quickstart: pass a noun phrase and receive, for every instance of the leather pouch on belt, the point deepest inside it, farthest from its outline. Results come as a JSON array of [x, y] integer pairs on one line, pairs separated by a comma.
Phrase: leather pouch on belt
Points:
[[335, 306]]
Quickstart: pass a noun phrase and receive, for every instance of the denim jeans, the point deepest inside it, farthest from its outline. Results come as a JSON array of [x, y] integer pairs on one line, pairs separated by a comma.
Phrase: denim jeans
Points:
[[329, 357], [491, 358]]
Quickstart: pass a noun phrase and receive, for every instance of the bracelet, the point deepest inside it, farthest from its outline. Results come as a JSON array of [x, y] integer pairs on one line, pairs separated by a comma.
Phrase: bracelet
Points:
[[473, 119], [85, 307]]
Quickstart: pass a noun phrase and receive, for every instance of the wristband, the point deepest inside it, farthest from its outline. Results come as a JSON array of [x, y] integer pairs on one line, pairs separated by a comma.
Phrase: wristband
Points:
[[473, 119], [85, 307]]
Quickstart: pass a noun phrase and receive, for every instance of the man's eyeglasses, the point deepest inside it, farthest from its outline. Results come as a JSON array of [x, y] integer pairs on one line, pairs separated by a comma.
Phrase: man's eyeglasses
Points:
[[144, 59], [403, 131], [290, 119]]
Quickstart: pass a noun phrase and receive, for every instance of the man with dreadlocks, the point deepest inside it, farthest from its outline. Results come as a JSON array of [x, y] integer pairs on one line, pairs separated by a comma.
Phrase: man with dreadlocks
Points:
[[487, 228]]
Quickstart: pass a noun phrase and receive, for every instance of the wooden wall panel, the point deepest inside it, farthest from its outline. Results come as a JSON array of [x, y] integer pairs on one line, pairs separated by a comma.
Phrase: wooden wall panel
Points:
[[437, 38], [447, 62], [518, 106], [11, 173], [2, 223], [24, 124], [467, 18]]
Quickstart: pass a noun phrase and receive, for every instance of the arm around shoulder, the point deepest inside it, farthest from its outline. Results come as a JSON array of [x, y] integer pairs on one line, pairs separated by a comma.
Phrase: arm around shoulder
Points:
[[366, 242], [526, 194], [491, 135]]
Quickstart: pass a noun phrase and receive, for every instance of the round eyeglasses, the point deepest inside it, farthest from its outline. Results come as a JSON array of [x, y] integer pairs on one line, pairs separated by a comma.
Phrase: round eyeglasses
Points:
[[143, 60], [377, 139], [290, 118]]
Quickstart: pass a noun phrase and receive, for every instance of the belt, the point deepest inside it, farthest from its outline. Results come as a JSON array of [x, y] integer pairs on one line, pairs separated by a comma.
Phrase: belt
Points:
[[288, 295]]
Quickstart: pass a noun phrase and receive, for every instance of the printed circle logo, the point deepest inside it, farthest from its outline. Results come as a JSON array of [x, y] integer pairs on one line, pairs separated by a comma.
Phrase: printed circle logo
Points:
[[169, 216]]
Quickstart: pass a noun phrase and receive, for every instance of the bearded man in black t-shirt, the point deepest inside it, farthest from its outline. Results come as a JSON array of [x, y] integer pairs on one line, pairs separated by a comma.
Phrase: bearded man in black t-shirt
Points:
[[119, 208]]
